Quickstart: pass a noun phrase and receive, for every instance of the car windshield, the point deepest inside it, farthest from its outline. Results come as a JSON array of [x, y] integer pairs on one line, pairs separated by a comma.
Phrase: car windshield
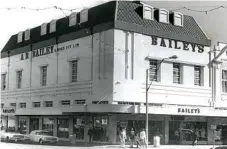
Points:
[[44, 133]]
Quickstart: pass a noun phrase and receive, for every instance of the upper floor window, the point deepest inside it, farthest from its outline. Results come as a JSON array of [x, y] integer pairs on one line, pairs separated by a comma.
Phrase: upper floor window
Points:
[[19, 37], [23, 105], [178, 19], [52, 26], [72, 19], [84, 16], [13, 104], [100, 102], [43, 29], [74, 68], [4, 81], [148, 12], [224, 81], [153, 72], [65, 102], [197, 76], [27, 34], [176, 73], [48, 103], [19, 78], [43, 75], [163, 16], [36, 104], [80, 101]]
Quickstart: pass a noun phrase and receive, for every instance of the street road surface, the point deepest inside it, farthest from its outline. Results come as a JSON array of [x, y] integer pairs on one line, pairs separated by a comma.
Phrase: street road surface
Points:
[[4, 145]]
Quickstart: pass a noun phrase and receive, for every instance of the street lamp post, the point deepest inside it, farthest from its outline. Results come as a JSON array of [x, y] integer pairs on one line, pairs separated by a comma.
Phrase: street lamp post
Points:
[[147, 89]]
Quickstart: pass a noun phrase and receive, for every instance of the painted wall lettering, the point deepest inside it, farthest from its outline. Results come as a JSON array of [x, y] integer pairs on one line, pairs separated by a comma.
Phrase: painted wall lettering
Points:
[[171, 43], [47, 50]]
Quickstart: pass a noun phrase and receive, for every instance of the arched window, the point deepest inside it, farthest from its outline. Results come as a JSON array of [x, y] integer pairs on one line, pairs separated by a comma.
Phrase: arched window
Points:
[[19, 37], [163, 16], [178, 19], [148, 12], [72, 19], [52, 26], [27, 34], [43, 29], [84, 16]]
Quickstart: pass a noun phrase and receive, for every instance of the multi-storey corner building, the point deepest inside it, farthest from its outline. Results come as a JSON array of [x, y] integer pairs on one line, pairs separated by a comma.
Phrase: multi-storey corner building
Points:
[[89, 70]]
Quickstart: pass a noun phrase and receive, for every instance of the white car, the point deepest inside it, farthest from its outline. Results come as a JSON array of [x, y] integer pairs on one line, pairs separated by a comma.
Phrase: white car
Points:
[[42, 136], [13, 136]]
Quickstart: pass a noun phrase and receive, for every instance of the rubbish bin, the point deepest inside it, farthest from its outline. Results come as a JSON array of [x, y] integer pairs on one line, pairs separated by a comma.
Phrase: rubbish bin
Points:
[[72, 139], [156, 141]]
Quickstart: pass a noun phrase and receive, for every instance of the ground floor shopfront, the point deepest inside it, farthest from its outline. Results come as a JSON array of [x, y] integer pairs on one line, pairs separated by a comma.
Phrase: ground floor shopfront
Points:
[[106, 127]]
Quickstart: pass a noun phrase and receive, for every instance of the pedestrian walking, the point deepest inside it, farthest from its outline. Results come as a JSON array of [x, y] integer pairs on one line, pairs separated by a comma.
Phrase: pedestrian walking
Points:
[[90, 134], [137, 139], [132, 137], [194, 138], [143, 138], [122, 137]]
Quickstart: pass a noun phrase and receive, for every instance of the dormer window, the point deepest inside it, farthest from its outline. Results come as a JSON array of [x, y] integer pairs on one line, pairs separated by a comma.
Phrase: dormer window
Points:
[[84, 16], [43, 29], [19, 37], [27, 34], [52, 26], [178, 19], [163, 16], [72, 19], [148, 12]]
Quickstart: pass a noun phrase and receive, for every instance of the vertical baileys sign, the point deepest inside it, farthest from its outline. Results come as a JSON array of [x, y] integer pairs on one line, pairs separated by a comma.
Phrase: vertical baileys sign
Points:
[[47, 50]]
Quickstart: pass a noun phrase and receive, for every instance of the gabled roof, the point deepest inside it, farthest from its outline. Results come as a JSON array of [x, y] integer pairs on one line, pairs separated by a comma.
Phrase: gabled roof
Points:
[[125, 15]]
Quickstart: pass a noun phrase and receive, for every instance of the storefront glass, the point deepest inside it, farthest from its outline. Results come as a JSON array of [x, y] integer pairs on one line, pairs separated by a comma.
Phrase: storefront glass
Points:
[[78, 127], [182, 131], [48, 124], [23, 126], [34, 124], [63, 127], [100, 129], [221, 133]]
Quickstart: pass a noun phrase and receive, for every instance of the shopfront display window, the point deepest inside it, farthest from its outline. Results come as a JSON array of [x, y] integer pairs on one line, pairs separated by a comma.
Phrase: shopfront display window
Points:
[[48, 124], [100, 129], [182, 131], [63, 127], [34, 124], [78, 127], [23, 126], [221, 133]]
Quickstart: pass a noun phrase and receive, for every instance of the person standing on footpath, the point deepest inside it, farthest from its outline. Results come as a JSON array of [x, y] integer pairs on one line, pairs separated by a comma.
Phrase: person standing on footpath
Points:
[[132, 137], [143, 138], [122, 137]]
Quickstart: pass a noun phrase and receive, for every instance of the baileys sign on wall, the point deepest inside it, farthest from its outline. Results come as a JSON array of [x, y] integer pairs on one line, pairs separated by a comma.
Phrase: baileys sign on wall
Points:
[[171, 43]]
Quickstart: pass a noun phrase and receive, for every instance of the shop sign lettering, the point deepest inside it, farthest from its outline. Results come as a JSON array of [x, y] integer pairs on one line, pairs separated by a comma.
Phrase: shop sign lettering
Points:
[[186, 46], [8, 110], [189, 110], [47, 50]]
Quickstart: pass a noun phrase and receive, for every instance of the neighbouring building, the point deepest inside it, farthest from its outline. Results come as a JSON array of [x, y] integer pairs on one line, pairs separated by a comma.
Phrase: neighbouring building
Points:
[[89, 70]]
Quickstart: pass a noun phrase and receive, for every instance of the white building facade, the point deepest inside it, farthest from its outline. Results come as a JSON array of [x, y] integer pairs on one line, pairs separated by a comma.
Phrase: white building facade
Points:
[[77, 73]]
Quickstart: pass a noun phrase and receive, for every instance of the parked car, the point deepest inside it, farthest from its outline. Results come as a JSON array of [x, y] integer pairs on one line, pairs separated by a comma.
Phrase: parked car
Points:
[[42, 136], [12, 136]]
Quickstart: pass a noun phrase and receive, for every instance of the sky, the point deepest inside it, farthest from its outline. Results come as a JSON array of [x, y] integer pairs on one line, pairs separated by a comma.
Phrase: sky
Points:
[[213, 23]]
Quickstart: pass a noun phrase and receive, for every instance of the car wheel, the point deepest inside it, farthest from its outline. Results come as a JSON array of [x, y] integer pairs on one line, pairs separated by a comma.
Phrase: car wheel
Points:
[[40, 141]]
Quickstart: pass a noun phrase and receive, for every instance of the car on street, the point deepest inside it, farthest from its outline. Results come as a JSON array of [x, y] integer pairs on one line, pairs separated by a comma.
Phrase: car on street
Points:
[[12, 136], [42, 136]]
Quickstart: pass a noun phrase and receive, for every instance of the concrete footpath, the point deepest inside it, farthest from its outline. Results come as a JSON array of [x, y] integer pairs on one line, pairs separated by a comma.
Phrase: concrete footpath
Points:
[[166, 147]]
